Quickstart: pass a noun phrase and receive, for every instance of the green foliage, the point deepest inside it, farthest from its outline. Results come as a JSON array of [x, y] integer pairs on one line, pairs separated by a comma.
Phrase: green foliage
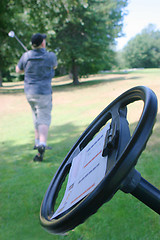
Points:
[[143, 51], [81, 32], [12, 17], [85, 33]]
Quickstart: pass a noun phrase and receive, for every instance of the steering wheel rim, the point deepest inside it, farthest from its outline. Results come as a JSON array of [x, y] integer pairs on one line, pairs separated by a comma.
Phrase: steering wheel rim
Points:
[[124, 157]]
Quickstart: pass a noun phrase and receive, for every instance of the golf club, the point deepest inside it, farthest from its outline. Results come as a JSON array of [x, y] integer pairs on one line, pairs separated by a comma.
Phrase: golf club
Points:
[[12, 35]]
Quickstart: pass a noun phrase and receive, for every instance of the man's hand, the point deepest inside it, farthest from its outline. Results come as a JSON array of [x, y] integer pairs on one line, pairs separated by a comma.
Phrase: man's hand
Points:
[[19, 70]]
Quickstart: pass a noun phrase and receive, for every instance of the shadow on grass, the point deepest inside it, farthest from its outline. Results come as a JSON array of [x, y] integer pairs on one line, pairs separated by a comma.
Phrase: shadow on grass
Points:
[[88, 83], [10, 89], [25, 182], [61, 139]]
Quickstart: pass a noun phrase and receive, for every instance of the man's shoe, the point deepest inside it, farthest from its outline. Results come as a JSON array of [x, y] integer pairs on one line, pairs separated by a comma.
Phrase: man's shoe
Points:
[[38, 158], [35, 147], [46, 147], [41, 149]]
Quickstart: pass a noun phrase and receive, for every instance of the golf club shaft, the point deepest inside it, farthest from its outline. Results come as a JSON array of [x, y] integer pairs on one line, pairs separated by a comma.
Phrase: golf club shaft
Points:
[[21, 43]]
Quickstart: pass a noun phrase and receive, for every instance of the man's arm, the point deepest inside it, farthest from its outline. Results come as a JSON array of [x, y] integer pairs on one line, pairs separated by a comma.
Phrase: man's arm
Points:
[[19, 70], [55, 63]]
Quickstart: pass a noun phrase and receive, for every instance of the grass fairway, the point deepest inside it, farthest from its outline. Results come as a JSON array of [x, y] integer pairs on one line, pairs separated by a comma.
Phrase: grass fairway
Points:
[[23, 182]]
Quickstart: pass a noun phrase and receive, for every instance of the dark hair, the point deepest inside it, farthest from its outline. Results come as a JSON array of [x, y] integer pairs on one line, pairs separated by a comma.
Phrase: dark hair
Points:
[[37, 39]]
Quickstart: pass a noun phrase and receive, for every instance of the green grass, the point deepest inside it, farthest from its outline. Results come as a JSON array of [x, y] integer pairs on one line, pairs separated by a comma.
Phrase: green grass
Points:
[[23, 183]]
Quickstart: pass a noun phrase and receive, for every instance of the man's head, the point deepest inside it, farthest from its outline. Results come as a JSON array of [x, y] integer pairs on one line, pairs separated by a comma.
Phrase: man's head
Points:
[[37, 39]]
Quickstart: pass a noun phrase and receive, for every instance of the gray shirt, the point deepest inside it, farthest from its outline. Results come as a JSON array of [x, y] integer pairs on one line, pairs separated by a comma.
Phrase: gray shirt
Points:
[[38, 66]]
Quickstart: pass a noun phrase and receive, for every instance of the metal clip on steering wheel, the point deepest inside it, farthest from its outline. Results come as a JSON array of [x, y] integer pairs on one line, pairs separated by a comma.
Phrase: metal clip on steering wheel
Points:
[[123, 152]]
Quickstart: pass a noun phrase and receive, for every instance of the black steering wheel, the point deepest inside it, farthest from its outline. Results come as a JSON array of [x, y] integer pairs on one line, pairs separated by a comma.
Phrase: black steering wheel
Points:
[[122, 150]]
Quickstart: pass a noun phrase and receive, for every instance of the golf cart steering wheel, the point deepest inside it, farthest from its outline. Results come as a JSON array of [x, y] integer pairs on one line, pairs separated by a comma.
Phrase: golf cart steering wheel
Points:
[[122, 150]]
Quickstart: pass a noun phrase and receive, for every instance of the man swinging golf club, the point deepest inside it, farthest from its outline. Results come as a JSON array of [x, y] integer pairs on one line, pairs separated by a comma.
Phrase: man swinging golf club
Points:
[[38, 66]]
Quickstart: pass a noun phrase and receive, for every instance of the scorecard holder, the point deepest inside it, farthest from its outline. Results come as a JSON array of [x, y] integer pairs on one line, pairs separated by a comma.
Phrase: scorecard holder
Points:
[[102, 162]]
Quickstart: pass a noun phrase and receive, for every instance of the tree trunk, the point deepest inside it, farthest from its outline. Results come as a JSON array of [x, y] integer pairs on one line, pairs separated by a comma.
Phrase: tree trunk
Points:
[[75, 73], [1, 79]]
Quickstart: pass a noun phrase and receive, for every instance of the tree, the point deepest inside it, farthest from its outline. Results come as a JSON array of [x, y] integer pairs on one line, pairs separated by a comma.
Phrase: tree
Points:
[[11, 18], [4, 19], [143, 51], [81, 31]]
